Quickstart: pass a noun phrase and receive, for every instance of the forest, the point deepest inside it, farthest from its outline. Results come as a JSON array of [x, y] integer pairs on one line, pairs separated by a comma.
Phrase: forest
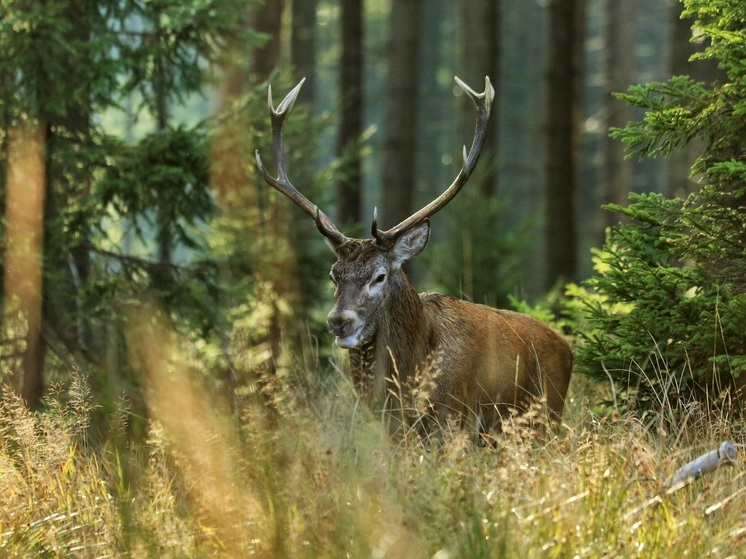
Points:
[[169, 387]]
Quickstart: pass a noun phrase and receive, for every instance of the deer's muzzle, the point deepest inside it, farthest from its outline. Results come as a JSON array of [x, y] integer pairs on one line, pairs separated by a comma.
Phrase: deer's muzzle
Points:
[[346, 326]]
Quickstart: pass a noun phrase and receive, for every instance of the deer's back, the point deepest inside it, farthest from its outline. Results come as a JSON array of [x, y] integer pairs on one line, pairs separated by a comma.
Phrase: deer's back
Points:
[[491, 358]]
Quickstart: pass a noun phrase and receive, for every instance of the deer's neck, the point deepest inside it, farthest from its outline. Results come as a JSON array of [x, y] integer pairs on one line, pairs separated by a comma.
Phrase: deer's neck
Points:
[[405, 334], [404, 340]]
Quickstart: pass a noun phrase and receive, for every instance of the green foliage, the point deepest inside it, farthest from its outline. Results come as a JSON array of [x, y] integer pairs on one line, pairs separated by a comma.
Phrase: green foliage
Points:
[[56, 56], [668, 309], [164, 176], [181, 41], [722, 22], [477, 260], [677, 112]]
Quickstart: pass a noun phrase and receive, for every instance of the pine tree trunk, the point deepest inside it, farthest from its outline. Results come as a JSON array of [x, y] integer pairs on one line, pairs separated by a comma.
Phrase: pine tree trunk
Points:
[[617, 172], [303, 45], [400, 124], [25, 195], [276, 266], [268, 20], [566, 33], [480, 54], [351, 126]]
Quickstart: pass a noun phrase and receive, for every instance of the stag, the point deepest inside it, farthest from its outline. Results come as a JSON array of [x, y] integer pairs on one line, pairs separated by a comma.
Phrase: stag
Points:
[[485, 362]]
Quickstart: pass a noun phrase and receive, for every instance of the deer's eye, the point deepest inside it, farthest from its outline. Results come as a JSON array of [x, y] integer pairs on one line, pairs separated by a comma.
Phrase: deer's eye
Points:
[[378, 279]]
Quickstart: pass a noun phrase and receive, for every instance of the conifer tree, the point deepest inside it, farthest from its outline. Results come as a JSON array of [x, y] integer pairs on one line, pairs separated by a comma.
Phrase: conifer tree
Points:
[[62, 67], [669, 310]]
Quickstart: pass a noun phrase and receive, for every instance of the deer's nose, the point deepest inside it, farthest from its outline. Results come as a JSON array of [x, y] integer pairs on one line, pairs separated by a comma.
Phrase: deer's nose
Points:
[[340, 325]]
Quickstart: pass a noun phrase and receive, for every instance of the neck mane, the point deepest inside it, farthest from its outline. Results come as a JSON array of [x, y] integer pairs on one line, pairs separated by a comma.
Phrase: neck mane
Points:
[[404, 338]]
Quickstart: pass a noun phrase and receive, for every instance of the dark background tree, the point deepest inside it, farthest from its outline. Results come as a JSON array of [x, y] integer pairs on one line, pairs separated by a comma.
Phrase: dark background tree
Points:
[[351, 120], [303, 45], [399, 148], [565, 72], [616, 175], [480, 57], [268, 21]]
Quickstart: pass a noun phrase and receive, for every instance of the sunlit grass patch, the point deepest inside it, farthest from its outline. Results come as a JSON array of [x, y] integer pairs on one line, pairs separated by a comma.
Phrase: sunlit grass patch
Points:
[[591, 492], [320, 477], [54, 499]]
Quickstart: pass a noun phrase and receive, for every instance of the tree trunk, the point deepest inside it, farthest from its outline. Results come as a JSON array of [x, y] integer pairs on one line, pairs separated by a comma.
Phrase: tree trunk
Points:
[[235, 194], [480, 53], [303, 45], [276, 266], [400, 126], [66, 259], [268, 20], [164, 236], [22, 263], [616, 171], [351, 126], [566, 33]]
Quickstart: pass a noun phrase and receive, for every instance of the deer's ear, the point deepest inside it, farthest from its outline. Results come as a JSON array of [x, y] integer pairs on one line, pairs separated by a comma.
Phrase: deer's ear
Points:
[[409, 245]]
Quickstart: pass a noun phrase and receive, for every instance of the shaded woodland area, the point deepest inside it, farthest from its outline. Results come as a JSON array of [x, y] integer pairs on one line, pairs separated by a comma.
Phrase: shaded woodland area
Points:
[[136, 130], [169, 387]]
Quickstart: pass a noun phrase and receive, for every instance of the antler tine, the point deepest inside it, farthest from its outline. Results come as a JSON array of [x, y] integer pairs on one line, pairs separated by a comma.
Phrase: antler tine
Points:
[[282, 184], [483, 103]]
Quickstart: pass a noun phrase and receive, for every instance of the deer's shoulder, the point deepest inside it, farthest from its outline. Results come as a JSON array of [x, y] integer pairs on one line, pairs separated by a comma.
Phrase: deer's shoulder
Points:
[[450, 308], [482, 316]]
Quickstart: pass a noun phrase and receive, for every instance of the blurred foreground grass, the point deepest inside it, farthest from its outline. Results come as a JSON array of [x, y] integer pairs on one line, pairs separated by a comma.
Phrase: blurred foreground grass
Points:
[[318, 477]]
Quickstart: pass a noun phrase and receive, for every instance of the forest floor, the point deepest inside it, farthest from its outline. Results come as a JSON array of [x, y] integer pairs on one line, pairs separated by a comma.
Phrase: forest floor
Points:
[[320, 478]]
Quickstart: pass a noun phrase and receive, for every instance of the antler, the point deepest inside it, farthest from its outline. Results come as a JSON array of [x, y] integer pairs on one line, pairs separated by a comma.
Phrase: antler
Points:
[[482, 102], [279, 116]]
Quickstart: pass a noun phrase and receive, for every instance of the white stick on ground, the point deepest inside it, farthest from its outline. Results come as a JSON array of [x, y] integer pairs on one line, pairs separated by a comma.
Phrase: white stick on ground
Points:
[[726, 454]]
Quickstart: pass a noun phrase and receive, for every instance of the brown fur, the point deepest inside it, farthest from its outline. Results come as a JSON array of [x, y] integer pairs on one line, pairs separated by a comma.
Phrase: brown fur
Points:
[[492, 359], [485, 360]]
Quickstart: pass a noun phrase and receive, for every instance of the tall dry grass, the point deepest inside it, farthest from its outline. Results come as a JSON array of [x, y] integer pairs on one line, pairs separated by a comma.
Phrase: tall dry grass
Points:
[[55, 499], [320, 477]]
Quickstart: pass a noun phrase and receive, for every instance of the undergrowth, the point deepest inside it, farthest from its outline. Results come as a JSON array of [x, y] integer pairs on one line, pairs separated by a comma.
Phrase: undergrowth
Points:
[[319, 477]]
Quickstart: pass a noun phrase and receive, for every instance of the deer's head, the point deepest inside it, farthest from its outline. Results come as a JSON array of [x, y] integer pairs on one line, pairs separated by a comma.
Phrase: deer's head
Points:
[[368, 271], [365, 275]]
